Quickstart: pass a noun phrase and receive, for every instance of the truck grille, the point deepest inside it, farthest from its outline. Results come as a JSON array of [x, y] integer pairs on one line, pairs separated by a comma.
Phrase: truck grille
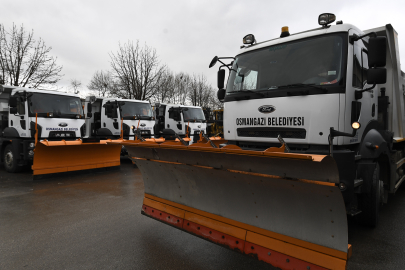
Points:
[[267, 132], [66, 135]]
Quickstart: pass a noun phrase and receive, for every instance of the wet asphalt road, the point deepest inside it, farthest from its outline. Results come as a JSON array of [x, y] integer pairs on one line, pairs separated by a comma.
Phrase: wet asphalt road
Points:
[[93, 221]]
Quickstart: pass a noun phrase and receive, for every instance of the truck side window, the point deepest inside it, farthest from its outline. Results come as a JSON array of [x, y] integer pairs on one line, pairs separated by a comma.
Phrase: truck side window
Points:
[[360, 64], [20, 106]]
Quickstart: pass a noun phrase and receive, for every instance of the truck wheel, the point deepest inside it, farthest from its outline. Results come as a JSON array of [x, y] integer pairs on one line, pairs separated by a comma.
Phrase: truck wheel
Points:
[[370, 202], [10, 159]]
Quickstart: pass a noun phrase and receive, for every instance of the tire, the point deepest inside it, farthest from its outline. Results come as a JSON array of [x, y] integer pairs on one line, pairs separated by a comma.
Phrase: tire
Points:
[[10, 159], [370, 203]]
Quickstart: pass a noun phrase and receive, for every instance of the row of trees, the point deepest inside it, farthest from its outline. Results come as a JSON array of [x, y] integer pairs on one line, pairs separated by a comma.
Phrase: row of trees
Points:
[[136, 72]]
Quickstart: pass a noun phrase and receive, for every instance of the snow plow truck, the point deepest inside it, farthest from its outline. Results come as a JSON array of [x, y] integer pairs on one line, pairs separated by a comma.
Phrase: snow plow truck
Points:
[[314, 131], [44, 129], [108, 113]]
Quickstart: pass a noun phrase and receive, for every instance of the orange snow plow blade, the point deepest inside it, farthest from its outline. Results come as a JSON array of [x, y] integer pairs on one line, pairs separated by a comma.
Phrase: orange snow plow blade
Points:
[[283, 208], [65, 156]]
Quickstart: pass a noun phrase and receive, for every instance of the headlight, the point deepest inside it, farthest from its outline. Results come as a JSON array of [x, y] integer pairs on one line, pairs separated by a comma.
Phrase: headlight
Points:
[[32, 145], [249, 39], [326, 18], [356, 125], [31, 152]]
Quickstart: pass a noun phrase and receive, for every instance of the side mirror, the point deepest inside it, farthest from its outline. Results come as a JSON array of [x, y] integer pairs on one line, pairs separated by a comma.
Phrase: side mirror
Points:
[[221, 94], [213, 61], [377, 75], [89, 108], [13, 110], [377, 47], [89, 115], [221, 78], [13, 102]]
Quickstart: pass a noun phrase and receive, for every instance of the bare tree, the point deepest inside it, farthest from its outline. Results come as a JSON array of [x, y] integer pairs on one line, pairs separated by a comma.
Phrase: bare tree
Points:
[[165, 87], [102, 83], [75, 84], [137, 71], [182, 83], [200, 91], [24, 61]]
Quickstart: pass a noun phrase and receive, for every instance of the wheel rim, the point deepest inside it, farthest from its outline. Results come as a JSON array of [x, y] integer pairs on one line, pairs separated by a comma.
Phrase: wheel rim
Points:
[[8, 159]]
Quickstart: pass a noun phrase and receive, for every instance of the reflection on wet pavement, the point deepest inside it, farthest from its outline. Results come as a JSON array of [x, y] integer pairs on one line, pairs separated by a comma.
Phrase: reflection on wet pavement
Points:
[[93, 221]]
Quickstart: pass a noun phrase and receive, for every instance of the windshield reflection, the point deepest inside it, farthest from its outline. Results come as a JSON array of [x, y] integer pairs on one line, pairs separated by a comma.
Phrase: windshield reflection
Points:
[[314, 61], [60, 106], [193, 114], [131, 109]]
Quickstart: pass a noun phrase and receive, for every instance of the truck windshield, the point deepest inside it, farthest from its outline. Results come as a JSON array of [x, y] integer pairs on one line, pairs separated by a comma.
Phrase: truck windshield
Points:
[[59, 105], [193, 114], [131, 109], [314, 61]]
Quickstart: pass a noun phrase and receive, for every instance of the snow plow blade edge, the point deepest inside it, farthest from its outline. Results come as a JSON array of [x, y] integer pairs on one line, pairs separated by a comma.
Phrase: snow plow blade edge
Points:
[[65, 156]]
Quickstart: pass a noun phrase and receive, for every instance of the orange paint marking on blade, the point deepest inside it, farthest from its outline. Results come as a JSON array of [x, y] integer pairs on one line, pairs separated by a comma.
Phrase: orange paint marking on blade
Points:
[[301, 255], [284, 238]]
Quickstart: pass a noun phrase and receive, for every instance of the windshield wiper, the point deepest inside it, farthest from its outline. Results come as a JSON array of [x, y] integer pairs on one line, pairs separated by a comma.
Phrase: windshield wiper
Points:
[[300, 85], [249, 91]]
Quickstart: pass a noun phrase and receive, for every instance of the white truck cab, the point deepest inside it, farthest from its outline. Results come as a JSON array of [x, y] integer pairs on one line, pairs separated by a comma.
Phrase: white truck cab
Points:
[[179, 118], [335, 90], [57, 115], [104, 115]]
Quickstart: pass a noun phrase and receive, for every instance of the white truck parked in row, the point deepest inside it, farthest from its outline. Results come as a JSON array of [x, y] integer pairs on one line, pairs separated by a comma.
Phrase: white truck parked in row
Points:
[[174, 119], [104, 116]]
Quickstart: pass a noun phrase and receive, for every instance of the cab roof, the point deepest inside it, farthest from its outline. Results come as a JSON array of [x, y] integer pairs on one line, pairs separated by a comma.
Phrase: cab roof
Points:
[[301, 35]]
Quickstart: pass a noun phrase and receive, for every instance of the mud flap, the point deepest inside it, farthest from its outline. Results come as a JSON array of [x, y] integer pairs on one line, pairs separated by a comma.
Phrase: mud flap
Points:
[[286, 203], [65, 156]]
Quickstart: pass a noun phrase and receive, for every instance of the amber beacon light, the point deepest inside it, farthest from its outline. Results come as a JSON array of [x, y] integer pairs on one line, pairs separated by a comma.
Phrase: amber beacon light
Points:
[[284, 31]]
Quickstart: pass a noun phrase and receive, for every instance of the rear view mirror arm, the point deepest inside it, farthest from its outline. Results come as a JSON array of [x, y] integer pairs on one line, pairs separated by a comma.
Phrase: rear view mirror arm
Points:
[[355, 37], [358, 94]]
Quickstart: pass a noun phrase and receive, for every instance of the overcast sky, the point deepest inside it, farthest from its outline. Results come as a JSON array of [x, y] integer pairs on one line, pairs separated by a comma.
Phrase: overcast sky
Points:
[[186, 34]]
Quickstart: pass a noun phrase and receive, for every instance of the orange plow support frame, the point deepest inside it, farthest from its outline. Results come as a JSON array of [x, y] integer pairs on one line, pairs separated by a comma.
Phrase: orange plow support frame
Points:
[[65, 156]]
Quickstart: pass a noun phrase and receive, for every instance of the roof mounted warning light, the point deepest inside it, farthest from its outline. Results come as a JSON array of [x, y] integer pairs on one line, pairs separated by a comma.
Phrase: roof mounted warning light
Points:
[[249, 39], [326, 18], [284, 31]]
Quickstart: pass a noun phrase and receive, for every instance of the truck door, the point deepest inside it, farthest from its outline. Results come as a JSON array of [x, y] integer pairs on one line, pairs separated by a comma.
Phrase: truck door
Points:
[[19, 121], [174, 119], [110, 120], [364, 109]]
